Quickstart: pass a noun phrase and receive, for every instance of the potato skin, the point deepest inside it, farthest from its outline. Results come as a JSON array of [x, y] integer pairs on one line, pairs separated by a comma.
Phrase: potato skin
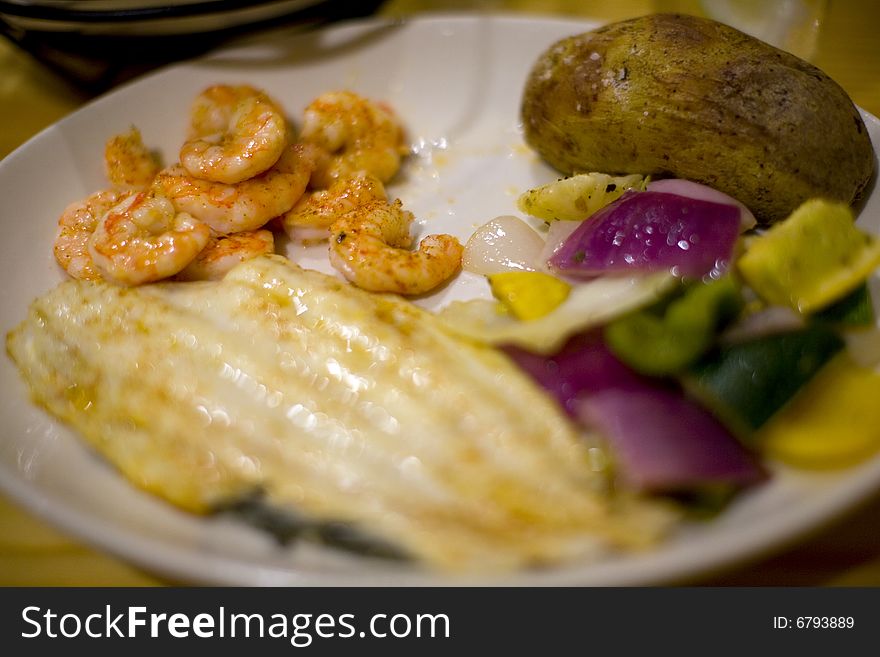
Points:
[[670, 95]]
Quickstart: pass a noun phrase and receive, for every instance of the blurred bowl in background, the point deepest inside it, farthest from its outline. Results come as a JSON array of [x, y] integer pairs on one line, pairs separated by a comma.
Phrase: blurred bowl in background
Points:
[[97, 44], [142, 17]]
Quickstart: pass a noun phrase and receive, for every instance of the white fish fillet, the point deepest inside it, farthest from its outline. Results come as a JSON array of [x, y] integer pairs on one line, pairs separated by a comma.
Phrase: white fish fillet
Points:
[[336, 403]]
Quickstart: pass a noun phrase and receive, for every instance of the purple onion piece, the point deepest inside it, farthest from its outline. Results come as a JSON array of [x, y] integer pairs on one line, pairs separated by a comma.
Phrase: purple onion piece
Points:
[[557, 234], [661, 440], [692, 189], [583, 365], [651, 231], [664, 442]]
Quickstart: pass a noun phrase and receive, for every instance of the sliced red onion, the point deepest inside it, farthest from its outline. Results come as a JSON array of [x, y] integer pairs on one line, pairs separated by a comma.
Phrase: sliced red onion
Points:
[[583, 365], [695, 190], [661, 440], [664, 442], [652, 231], [557, 233]]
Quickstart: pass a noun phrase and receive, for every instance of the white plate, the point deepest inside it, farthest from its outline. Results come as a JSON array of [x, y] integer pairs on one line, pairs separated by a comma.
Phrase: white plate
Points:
[[456, 81]]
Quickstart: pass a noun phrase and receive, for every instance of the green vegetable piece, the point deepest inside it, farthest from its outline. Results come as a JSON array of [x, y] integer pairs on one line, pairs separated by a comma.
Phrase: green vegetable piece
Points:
[[746, 383], [812, 259], [670, 336], [854, 310]]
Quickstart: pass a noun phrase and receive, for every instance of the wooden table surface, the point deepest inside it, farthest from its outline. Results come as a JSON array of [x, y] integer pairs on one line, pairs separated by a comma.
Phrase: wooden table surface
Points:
[[844, 553]]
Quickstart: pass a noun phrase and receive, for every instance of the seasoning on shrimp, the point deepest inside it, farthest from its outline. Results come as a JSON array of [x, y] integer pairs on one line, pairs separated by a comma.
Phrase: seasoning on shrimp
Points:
[[224, 253], [321, 208], [144, 239], [128, 163], [369, 246], [359, 134], [75, 227], [244, 206], [236, 133]]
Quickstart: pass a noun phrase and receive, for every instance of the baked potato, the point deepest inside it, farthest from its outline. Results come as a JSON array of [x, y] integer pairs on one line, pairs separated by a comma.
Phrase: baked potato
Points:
[[671, 95]]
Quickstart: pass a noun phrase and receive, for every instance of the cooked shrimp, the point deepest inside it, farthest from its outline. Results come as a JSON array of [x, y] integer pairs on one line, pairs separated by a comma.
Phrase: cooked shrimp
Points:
[[244, 206], [223, 253], [144, 239], [128, 163], [369, 246], [315, 212], [75, 227], [236, 133], [360, 134]]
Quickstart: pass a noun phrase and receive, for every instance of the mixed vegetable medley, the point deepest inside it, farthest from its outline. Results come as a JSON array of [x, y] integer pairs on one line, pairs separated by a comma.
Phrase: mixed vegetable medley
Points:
[[696, 345]]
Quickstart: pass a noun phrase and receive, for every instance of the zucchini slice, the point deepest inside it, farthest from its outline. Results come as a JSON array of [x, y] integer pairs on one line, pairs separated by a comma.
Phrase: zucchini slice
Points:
[[744, 384]]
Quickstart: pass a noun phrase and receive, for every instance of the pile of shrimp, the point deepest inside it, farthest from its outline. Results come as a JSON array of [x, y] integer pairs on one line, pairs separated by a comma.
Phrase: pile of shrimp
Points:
[[243, 171]]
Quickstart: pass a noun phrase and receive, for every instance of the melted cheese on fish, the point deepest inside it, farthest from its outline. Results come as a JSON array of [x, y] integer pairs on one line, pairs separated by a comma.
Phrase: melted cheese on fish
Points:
[[341, 405]]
